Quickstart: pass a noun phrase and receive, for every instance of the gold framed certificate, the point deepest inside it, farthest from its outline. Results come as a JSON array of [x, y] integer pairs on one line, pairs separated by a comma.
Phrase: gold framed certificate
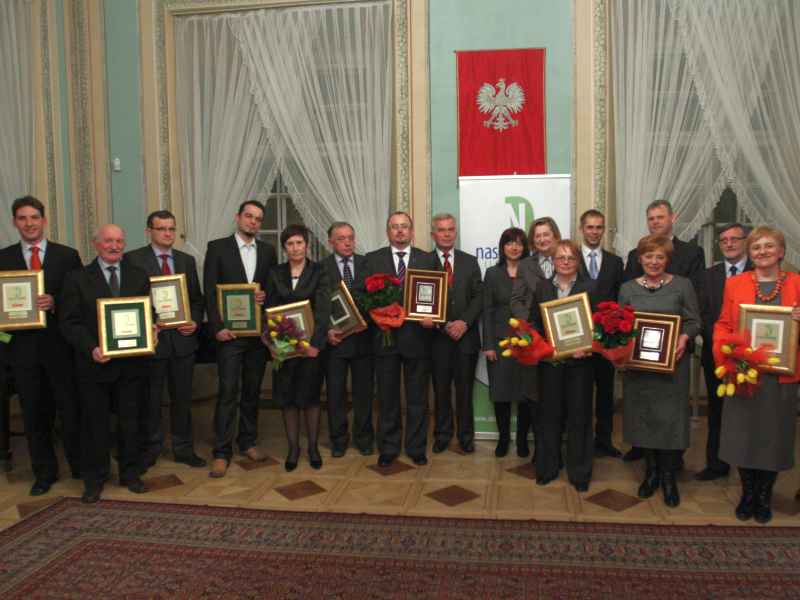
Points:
[[300, 314], [344, 313], [18, 293], [238, 310], [170, 297], [125, 326], [656, 342], [568, 324], [773, 326], [425, 295]]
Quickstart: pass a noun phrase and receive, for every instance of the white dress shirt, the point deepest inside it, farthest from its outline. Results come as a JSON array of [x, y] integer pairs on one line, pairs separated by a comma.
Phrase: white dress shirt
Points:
[[247, 250], [27, 254]]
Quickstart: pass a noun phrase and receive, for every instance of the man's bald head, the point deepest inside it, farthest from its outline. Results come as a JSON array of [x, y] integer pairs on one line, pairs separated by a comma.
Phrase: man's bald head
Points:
[[109, 241]]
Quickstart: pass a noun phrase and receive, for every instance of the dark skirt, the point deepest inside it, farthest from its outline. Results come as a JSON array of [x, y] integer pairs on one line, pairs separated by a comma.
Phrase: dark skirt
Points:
[[508, 379], [298, 383]]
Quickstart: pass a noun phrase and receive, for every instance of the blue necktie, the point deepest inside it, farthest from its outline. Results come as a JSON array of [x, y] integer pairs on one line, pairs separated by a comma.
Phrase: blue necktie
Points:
[[593, 270], [733, 270]]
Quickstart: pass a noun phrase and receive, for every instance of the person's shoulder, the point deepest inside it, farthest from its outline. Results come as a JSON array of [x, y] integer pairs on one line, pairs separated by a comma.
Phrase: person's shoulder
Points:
[[60, 248], [139, 253], [608, 255], [220, 242], [12, 250], [382, 251]]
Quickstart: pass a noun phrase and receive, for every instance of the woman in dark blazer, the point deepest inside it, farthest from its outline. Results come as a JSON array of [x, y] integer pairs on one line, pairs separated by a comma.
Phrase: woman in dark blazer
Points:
[[298, 381], [566, 386]]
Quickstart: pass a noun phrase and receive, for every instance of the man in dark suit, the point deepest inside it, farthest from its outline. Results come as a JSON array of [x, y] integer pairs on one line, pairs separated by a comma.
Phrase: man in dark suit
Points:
[[40, 359], [174, 359], [687, 261], [239, 258], [455, 347], [353, 352], [104, 382], [606, 270], [732, 243], [411, 352]]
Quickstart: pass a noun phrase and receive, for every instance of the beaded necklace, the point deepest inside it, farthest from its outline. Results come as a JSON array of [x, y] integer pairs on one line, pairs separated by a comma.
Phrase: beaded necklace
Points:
[[774, 293]]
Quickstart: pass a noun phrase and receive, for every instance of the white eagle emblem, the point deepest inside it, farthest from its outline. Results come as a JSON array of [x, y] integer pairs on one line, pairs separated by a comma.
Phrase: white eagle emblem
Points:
[[501, 103]]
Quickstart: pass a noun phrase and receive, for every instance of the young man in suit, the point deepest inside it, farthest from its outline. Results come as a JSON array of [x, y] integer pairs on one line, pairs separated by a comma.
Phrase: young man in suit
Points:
[[410, 353], [104, 382], [238, 258], [732, 243], [606, 270], [174, 359], [455, 346], [353, 352], [40, 359]]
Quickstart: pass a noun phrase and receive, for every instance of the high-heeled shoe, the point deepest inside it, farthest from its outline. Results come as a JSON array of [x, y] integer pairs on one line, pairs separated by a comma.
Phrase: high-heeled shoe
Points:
[[291, 459], [314, 459]]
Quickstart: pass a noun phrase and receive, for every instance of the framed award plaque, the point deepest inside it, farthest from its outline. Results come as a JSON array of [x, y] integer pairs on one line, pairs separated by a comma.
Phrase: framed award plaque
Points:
[[568, 324], [125, 326], [425, 295], [238, 309], [170, 299], [18, 293], [344, 313], [655, 344], [772, 326]]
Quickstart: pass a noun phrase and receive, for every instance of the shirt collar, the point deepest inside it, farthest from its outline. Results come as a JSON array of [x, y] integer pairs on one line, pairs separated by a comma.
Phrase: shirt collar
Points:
[[571, 282], [407, 250], [587, 251], [451, 254], [104, 265], [340, 259], [158, 251], [241, 243], [42, 244], [739, 265]]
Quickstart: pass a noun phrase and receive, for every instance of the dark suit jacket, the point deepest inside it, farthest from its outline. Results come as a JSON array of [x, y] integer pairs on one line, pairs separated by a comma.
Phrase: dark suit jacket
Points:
[[172, 343], [464, 298], [312, 285], [529, 277], [78, 319], [357, 344], [608, 279], [27, 346], [688, 261], [714, 287], [411, 340], [224, 265]]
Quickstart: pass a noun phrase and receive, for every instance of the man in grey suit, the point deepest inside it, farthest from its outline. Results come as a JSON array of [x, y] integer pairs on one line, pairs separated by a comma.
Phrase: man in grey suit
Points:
[[174, 359]]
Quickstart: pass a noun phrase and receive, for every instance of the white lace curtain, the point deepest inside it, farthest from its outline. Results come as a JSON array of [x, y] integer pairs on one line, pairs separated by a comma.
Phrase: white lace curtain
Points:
[[16, 111], [706, 95]]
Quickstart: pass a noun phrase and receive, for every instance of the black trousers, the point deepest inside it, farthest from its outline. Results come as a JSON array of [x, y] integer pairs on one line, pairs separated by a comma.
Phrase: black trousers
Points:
[[715, 403], [97, 400], [241, 365], [174, 372], [665, 460], [453, 371], [416, 374], [502, 416], [362, 378], [603, 377], [565, 389]]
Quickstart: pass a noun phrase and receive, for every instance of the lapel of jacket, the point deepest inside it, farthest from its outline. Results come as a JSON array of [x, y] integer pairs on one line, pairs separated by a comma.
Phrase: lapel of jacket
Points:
[[306, 274], [332, 267], [128, 285], [178, 261], [19, 258], [285, 276], [237, 257], [153, 263], [98, 279]]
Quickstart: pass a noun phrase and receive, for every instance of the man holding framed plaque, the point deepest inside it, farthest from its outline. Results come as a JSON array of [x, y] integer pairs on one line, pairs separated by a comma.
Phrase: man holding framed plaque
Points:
[[103, 381], [41, 359], [175, 353]]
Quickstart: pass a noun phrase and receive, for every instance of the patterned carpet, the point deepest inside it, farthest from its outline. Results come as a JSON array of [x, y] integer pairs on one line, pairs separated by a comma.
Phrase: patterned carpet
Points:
[[153, 550]]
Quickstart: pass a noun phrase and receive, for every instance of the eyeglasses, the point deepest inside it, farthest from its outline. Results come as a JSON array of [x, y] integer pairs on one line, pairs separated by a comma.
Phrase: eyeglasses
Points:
[[399, 226], [731, 239], [569, 259], [164, 229]]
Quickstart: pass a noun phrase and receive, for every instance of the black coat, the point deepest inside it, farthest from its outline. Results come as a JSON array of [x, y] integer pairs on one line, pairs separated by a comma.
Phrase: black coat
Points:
[[714, 279], [464, 298], [357, 344], [608, 279]]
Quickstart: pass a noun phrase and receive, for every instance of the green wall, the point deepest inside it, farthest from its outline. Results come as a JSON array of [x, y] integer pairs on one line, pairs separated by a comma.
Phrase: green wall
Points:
[[481, 25]]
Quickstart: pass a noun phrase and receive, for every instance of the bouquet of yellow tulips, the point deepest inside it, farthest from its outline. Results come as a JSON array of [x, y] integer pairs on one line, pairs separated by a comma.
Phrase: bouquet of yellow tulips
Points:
[[524, 343], [742, 365], [285, 339]]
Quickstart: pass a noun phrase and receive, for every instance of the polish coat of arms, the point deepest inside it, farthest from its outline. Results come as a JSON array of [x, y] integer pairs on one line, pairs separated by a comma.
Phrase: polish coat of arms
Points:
[[500, 102]]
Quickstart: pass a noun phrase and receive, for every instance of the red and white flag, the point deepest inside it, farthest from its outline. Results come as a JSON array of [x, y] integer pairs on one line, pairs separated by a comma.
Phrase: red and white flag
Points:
[[501, 118]]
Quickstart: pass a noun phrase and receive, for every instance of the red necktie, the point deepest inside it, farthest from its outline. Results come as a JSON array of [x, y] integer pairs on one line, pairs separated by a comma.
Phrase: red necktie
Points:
[[165, 264], [36, 264], [448, 268]]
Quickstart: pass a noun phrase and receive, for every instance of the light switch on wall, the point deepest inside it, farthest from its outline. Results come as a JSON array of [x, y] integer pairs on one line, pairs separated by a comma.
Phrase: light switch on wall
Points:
[[116, 164]]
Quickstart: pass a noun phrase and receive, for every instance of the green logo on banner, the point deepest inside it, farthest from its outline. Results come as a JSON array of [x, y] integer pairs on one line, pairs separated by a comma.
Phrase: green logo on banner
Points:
[[521, 212]]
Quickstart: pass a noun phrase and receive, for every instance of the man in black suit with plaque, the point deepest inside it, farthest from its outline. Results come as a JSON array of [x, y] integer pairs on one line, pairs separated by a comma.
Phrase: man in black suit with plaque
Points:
[[104, 382], [174, 359], [454, 351], [606, 270], [687, 261], [40, 359], [732, 243], [411, 353], [238, 258], [353, 353]]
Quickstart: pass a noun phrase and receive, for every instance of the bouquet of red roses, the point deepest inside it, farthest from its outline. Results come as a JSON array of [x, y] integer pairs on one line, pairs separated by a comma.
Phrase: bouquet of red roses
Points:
[[742, 364], [614, 332], [525, 344], [283, 336], [383, 301]]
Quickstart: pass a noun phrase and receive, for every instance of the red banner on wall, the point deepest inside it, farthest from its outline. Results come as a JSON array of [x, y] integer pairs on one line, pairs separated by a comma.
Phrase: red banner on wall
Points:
[[501, 117]]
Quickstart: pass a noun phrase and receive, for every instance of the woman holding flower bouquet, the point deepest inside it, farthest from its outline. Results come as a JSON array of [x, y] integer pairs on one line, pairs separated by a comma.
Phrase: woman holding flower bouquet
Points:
[[758, 430], [298, 380], [656, 416]]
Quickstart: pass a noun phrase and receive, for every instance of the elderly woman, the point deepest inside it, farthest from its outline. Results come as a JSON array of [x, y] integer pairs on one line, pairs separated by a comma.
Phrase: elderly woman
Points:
[[298, 381], [758, 431], [505, 376], [565, 387], [656, 416]]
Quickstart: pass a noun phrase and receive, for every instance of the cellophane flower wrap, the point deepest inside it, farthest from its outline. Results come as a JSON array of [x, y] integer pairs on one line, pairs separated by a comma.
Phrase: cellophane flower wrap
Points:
[[284, 336], [742, 364], [614, 333], [383, 301], [524, 344]]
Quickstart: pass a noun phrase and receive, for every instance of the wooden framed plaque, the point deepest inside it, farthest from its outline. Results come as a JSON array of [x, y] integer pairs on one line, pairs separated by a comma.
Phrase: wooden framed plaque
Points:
[[238, 309], [170, 298], [425, 295], [568, 324], [300, 313], [125, 326], [773, 326], [656, 342], [344, 313], [18, 293]]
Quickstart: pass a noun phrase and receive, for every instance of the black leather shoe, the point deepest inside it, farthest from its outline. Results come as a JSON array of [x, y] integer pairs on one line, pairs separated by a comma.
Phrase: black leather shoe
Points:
[[40, 487], [291, 459], [669, 488], [91, 493], [651, 482], [545, 479], [502, 448], [337, 452], [192, 460], [420, 460], [709, 474], [440, 446], [135, 485], [314, 458], [633, 454], [366, 451], [581, 486], [385, 460], [468, 448], [747, 503], [606, 449], [523, 451]]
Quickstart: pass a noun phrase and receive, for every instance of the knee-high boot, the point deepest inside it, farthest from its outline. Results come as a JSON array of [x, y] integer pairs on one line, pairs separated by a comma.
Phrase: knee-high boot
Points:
[[763, 505], [651, 476], [747, 502]]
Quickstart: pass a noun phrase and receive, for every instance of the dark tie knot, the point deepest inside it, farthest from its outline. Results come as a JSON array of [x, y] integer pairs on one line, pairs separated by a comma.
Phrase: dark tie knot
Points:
[[345, 260], [112, 268], [401, 254]]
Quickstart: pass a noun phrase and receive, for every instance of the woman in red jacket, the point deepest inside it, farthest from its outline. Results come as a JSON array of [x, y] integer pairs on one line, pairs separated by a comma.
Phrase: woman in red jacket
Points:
[[758, 431]]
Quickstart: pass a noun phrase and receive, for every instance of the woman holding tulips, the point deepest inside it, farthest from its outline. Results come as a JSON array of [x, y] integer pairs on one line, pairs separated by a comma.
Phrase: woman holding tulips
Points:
[[758, 430], [656, 416], [298, 381]]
